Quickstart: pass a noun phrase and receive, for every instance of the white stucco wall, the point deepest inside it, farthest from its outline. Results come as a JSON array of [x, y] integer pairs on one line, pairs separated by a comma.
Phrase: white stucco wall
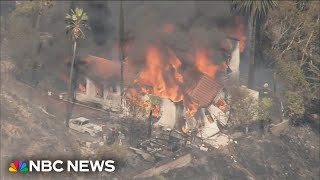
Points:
[[110, 100], [235, 63], [168, 114]]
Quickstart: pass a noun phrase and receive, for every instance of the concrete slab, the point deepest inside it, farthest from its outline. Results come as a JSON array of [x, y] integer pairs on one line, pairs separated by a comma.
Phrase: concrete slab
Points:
[[168, 114], [219, 140], [209, 130]]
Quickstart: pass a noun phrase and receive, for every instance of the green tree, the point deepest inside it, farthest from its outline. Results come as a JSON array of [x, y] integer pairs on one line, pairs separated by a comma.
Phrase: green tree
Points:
[[154, 100], [76, 21], [313, 78], [264, 110], [244, 107], [291, 33], [254, 9], [295, 104], [247, 108]]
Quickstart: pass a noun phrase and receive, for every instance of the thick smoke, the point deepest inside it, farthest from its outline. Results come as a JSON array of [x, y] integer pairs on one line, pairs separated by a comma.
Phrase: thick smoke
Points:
[[195, 25], [100, 24]]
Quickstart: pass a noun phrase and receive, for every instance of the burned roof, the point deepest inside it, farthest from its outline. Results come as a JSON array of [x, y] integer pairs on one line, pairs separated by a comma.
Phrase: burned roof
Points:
[[102, 69], [97, 67], [206, 90]]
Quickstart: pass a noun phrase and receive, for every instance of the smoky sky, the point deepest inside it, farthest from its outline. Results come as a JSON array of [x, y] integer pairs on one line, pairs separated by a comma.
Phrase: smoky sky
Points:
[[196, 25], [100, 24]]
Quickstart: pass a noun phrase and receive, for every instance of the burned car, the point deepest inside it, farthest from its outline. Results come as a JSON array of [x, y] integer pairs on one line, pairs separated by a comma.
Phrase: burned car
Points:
[[83, 125]]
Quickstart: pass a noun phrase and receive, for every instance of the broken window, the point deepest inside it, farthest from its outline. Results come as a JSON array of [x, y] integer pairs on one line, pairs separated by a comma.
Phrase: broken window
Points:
[[82, 84], [99, 90]]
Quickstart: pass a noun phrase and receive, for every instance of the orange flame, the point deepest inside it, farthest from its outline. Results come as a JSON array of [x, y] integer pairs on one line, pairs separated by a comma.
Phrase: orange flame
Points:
[[160, 78], [155, 110], [98, 90], [190, 107], [82, 88], [175, 62], [134, 97], [204, 64]]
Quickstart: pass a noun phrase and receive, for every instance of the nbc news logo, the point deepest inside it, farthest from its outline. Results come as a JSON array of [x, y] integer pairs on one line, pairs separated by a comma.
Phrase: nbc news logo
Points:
[[18, 165], [60, 166]]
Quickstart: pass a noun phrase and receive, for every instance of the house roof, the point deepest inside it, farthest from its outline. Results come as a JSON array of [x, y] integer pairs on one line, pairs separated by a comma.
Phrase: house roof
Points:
[[97, 67], [102, 69], [206, 90]]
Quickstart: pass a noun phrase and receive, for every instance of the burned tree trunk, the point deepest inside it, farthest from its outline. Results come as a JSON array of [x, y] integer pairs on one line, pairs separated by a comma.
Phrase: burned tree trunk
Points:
[[252, 34], [149, 123], [71, 89]]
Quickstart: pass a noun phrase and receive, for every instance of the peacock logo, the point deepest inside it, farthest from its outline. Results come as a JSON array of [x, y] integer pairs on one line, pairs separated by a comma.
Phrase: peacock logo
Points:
[[18, 166]]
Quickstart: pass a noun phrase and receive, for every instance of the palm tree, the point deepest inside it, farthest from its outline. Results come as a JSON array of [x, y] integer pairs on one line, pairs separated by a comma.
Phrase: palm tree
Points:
[[254, 9], [76, 21]]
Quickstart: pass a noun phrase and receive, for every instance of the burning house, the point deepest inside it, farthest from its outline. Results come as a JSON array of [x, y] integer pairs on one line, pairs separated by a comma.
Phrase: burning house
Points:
[[210, 94], [97, 82], [177, 70], [188, 99]]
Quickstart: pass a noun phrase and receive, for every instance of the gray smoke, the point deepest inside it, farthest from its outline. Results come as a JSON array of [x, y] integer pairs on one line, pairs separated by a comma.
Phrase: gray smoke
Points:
[[195, 25], [101, 27]]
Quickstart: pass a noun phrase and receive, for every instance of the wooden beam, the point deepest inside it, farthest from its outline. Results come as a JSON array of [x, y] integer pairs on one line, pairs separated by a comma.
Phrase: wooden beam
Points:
[[177, 163]]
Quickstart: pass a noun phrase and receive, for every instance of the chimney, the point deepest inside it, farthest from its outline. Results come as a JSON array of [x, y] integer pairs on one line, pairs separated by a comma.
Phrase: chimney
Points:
[[235, 63]]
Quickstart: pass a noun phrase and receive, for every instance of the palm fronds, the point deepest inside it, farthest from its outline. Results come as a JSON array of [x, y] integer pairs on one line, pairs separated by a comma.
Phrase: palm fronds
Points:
[[76, 21], [259, 8]]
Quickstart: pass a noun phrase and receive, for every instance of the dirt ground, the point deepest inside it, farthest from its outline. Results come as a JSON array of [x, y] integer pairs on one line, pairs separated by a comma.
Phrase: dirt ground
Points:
[[294, 155], [33, 125]]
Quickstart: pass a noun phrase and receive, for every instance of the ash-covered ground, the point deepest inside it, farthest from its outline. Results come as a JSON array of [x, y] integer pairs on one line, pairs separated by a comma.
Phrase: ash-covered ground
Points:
[[294, 155]]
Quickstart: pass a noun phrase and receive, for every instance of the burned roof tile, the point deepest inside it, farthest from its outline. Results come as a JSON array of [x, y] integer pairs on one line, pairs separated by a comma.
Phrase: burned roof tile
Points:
[[206, 90]]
